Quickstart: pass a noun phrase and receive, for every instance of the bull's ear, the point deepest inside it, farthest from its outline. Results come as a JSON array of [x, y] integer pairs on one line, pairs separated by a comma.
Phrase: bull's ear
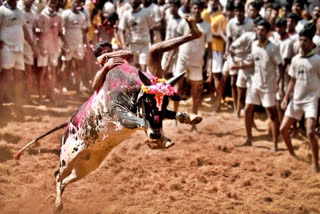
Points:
[[144, 78], [172, 81]]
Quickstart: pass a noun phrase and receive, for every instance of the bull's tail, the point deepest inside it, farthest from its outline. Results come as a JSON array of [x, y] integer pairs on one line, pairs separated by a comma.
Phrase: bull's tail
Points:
[[18, 154]]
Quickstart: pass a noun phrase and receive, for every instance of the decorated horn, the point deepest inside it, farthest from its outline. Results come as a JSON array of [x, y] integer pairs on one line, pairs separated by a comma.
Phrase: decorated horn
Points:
[[144, 78], [172, 81]]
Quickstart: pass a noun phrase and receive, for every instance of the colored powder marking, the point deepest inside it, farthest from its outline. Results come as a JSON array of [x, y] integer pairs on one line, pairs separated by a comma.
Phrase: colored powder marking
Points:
[[160, 90], [79, 115]]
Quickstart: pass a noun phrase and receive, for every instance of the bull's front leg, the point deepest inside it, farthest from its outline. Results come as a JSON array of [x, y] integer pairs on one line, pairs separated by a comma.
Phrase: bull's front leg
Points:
[[186, 118], [127, 119]]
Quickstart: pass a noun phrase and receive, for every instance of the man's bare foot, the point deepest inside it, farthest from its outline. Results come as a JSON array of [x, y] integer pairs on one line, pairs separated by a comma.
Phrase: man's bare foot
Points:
[[274, 149], [238, 113], [291, 152], [316, 169], [194, 30], [246, 143], [215, 104]]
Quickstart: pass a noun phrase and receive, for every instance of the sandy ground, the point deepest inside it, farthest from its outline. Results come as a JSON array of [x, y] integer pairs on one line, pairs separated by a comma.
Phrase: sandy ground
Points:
[[201, 173]]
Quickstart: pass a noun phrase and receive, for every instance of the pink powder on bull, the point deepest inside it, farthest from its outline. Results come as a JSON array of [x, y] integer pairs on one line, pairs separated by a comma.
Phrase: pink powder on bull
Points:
[[159, 89], [79, 115]]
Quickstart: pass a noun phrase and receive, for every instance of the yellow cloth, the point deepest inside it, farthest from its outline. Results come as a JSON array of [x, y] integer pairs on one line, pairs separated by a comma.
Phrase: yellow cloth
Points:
[[114, 41], [217, 21], [95, 22], [68, 5]]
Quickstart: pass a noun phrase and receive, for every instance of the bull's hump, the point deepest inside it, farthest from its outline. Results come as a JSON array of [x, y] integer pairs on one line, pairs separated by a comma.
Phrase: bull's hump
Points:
[[123, 77]]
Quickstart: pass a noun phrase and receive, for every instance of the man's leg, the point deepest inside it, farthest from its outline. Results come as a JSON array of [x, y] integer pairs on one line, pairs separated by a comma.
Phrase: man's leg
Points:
[[42, 78], [156, 50], [217, 83], [234, 91], [5, 90], [77, 73], [248, 112], [29, 79], [65, 75], [224, 78], [241, 99], [180, 87], [217, 88], [273, 115], [196, 92], [311, 124], [18, 87], [2, 87], [286, 124], [52, 78]]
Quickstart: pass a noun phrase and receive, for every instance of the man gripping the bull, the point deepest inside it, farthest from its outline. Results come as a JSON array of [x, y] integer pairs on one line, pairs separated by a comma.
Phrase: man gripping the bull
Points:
[[110, 59]]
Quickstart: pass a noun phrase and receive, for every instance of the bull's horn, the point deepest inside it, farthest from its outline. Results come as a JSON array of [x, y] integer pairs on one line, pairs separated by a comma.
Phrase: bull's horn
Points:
[[172, 81], [144, 78]]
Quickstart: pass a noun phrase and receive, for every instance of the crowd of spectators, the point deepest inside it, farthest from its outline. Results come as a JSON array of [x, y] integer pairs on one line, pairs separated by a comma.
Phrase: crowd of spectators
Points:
[[268, 48]]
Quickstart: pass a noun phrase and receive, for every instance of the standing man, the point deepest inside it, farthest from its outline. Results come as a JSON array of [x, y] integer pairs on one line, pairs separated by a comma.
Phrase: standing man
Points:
[[191, 55], [50, 29], [286, 51], [30, 21], [305, 80], [13, 32], [218, 24], [263, 84], [169, 59], [235, 28], [138, 23], [75, 25], [154, 12]]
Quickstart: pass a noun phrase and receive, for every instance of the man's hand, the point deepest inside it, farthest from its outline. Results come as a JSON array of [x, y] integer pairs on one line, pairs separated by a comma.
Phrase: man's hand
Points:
[[226, 53], [209, 75], [35, 50], [235, 67], [284, 103], [113, 62], [281, 94]]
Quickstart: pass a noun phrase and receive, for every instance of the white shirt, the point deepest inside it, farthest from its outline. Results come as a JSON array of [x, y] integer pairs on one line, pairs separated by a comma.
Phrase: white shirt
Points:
[[30, 21], [172, 26], [306, 71], [49, 25], [74, 24], [266, 61], [235, 29], [108, 8], [138, 25], [11, 31], [193, 51]]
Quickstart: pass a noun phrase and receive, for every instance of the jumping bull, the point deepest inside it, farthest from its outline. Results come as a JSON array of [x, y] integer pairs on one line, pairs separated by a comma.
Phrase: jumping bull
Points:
[[128, 100]]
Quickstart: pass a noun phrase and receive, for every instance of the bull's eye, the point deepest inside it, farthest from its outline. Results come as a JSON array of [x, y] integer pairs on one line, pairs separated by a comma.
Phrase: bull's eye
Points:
[[149, 103]]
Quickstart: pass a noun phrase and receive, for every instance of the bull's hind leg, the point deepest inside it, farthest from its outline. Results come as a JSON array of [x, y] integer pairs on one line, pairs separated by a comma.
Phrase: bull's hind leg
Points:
[[60, 185], [84, 163]]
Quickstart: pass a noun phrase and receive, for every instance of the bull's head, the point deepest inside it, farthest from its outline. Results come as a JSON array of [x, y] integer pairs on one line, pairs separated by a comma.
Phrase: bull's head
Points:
[[153, 101]]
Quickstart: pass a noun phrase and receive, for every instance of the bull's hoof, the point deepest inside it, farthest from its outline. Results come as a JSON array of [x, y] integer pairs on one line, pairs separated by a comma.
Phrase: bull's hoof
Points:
[[163, 143], [58, 208], [195, 119]]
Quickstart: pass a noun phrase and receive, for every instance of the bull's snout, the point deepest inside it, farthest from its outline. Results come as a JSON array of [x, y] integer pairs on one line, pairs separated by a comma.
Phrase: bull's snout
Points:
[[155, 135]]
